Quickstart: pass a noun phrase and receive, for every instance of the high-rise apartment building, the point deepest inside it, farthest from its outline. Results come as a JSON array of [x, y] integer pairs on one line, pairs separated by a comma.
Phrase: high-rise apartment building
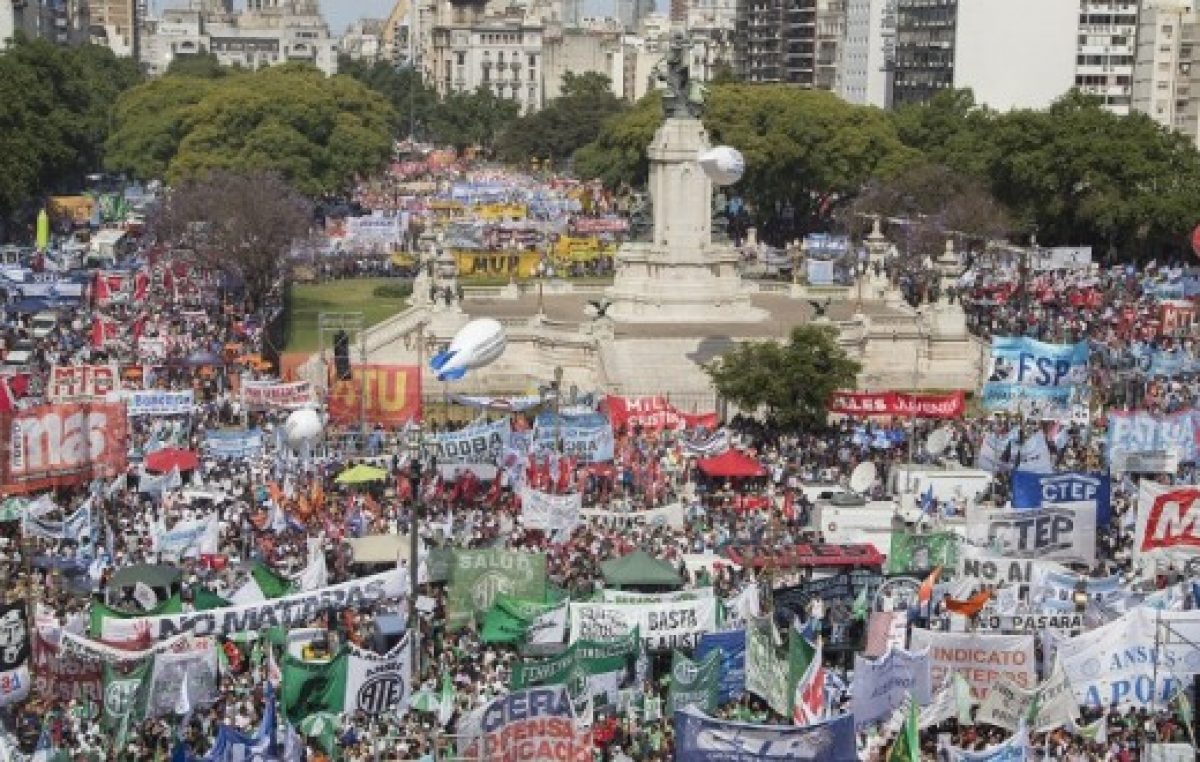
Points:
[[115, 24], [1010, 53], [1108, 31], [792, 41], [1166, 74], [868, 52]]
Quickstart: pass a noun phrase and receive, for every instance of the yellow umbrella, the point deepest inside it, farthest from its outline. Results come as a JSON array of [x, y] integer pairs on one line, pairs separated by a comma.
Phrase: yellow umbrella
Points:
[[360, 474]]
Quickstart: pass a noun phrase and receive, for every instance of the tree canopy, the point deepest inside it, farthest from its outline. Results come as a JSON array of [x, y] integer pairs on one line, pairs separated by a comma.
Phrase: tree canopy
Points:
[[318, 132], [566, 124], [792, 382], [470, 119], [55, 116], [413, 101]]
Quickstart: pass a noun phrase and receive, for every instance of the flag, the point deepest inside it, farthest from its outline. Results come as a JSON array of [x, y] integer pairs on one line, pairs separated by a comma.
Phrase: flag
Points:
[[861, 607], [1183, 711], [312, 687], [263, 584], [808, 704], [925, 591], [446, 705], [907, 747], [971, 607], [927, 500]]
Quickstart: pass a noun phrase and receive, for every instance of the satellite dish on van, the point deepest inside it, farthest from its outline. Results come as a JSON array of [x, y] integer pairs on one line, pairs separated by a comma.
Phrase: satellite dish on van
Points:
[[937, 443], [862, 478]]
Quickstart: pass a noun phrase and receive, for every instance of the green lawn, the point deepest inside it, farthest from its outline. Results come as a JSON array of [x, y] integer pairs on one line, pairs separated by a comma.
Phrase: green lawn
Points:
[[356, 295]]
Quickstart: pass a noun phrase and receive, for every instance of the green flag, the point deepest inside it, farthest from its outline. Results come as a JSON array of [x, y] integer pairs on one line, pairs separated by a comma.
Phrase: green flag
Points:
[[694, 682], [911, 552], [861, 607], [204, 600], [124, 699], [311, 687], [907, 747], [477, 577], [509, 619], [272, 584], [1183, 712]]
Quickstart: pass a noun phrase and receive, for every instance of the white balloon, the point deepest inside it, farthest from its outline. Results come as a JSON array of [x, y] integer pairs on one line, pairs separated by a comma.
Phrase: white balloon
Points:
[[723, 165], [302, 426], [479, 343]]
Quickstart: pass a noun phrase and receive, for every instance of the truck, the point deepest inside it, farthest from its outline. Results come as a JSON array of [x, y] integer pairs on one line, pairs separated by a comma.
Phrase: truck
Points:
[[909, 482], [849, 519]]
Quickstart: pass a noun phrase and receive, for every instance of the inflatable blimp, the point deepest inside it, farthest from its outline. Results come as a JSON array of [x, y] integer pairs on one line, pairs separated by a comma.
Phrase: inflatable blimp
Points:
[[723, 165], [477, 344], [302, 427]]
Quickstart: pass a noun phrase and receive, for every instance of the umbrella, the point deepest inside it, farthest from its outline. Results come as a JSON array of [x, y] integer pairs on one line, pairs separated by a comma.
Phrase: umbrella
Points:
[[360, 474], [425, 700], [322, 726], [168, 458]]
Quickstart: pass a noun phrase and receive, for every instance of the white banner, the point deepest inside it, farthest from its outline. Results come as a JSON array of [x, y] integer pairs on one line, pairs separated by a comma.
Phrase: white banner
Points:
[[549, 627], [376, 684], [79, 647], [1168, 522], [1065, 531], [669, 516], [187, 679], [668, 625], [980, 659], [881, 685], [475, 444], [629, 596], [275, 394], [155, 402], [766, 673], [1007, 706], [1115, 663], [190, 539], [288, 612], [1015, 749], [556, 515]]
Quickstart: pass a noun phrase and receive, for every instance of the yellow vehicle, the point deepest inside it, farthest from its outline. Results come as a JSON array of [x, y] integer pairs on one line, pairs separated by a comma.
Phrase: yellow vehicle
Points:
[[482, 263], [77, 209], [501, 212], [581, 249]]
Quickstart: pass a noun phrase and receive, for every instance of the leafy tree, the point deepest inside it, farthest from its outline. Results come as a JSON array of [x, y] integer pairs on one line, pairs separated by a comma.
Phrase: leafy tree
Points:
[[55, 116], [804, 149], [413, 101], [475, 119], [792, 381], [566, 124], [199, 65], [239, 223], [319, 132]]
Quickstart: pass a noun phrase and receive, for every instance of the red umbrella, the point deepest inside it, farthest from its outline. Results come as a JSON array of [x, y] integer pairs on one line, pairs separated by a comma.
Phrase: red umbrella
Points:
[[169, 458]]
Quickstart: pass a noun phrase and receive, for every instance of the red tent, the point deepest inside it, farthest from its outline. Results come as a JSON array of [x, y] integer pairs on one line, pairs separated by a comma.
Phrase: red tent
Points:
[[731, 464]]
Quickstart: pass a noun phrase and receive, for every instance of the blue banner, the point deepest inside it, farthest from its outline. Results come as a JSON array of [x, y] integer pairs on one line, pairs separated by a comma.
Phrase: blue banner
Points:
[[732, 681], [1160, 362], [1024, 369], [1037, 490], [1141, 432], [587, 437], [233, 444], [700, 738]]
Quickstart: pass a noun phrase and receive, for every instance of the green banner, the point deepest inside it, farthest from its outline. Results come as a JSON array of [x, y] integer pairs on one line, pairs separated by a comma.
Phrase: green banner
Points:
[[477, 577], [509, 618], [920, 552], [312, 687], [124, 699], [694, 682], [600, 669]]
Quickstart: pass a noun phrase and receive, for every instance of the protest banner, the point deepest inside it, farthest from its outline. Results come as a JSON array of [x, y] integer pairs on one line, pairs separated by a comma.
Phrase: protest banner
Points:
[[529, 725], [478, 576], [196, 667], [881, 685], [1052, 588], [1116, 662], [1065, 531], [886, 630], [668, 516], [700, 738], [587, 438], [377, 683], [265, 395], [918, 552], [990, 568], [1051, 705], [1026, 369], [731, 644], [81, 383], [556, 515], [1015, 749], [767, 673], [595, 671], [61, 445], [1140, 431], [189, 539], [980, 659], [1168, 522], [898, 404], [1032, 490], [693, 683], [1061, 258], [157, 403], [233, 444], [14, 655], [629, 596], [1066, 623], [475, 444], [289, 611], [653, 414], [389, 395], [63, 676], [663, 624], [1157, 462]]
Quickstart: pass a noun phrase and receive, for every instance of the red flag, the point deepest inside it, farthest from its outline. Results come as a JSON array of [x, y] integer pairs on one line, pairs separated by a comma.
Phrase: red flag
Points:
[[925, 591], [404, 490], [971, 606], [103, 330], [141, 284], [8, 401], [493, 495], [789, 505], [100, 291]]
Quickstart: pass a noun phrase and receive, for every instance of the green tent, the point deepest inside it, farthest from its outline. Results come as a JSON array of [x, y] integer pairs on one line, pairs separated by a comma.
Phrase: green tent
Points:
[[640, 569]]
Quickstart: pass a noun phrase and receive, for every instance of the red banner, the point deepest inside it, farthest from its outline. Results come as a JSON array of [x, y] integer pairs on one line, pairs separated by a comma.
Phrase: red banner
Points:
[[58, 445], [1176, 317], [81, 383], [65, 678], [393, 395], [653, 413], [866, 404]]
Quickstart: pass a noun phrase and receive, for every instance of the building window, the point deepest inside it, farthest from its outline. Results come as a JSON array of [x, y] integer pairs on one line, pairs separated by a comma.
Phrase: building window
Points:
[[460, 58]]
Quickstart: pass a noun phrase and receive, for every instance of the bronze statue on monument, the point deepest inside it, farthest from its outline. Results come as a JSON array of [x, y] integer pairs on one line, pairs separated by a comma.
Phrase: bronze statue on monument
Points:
[[684, 97]]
